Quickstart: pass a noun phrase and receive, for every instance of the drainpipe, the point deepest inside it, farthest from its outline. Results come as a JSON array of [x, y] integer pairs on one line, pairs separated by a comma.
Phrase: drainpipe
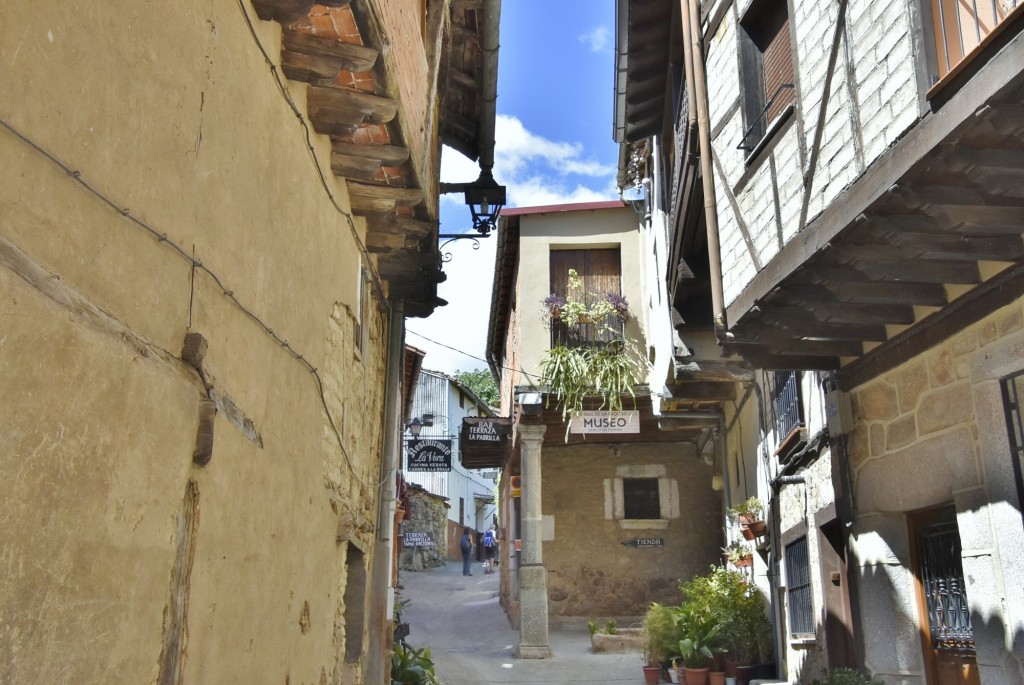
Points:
[[489, 82], [704, 134], [691, 98]]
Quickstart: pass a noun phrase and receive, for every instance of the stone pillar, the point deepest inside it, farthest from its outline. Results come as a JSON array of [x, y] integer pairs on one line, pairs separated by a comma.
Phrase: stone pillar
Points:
[[533, 580]]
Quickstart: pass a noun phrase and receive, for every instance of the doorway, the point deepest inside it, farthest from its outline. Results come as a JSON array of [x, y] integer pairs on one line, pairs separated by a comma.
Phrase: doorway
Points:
[[947, 637]]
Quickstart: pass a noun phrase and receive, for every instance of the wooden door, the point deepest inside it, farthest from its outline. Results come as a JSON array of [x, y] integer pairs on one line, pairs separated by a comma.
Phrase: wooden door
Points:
[[839, 641], [947, 637]]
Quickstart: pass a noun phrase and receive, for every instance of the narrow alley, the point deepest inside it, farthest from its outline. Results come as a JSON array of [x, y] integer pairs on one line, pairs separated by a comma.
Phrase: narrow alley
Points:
[[472, 642]]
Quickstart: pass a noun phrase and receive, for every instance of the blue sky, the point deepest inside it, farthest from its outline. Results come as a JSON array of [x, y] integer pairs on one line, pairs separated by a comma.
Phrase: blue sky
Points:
[[553, 145]]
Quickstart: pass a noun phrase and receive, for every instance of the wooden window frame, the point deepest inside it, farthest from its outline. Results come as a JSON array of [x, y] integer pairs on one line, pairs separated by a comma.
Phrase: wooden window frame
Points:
[[764, 112], [586, 261]]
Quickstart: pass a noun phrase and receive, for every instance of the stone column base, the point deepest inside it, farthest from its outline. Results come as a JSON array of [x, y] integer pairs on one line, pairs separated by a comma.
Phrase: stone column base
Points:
[[527, 652], [533, 614]]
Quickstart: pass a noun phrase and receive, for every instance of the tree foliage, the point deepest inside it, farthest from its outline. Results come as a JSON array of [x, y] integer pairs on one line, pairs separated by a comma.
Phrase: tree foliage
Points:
[[480, 382]]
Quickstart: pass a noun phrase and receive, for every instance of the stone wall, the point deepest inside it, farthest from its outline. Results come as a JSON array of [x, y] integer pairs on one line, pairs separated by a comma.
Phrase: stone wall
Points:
[[429, 514], [932, 432], [591, 573]]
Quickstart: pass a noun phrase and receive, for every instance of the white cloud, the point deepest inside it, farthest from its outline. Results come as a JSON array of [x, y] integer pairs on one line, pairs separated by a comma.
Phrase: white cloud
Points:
[[536, 171], [597, 39]]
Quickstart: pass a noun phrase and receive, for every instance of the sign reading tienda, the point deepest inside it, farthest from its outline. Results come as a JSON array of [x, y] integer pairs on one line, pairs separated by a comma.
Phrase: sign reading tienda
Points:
[[645, 543], [429, 456]]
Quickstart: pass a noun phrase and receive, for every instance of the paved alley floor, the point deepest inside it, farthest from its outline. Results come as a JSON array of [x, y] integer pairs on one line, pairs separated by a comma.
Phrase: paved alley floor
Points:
[[472, 642]]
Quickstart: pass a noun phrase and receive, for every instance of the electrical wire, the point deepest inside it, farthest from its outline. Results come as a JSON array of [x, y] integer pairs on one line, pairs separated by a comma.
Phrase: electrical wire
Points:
[[283, 90], [472, 356], [196, 264]]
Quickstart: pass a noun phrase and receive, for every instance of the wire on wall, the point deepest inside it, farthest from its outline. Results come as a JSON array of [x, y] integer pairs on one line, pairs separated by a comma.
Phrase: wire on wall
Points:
[[196, 265], [349, 220]]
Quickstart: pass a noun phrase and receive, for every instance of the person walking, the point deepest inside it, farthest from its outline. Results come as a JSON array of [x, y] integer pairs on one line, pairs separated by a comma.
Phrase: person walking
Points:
[[466, 544], [490, 547]]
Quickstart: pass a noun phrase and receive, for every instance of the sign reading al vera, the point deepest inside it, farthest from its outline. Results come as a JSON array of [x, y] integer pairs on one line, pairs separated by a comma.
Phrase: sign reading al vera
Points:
[[605, 422], [429, 455]]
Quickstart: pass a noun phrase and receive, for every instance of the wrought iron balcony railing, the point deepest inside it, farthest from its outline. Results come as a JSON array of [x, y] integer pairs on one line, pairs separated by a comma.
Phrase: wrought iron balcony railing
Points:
[[593, 335]]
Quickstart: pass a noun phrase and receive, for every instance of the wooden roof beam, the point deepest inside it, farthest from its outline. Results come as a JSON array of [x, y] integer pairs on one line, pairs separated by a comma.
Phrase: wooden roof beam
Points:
[[318, 60], [341, 110]]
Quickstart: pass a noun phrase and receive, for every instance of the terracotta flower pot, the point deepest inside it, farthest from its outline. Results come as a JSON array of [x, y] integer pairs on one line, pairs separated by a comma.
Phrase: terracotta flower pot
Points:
[[696, 676], [716, 678], [652, 675], [743, 562]]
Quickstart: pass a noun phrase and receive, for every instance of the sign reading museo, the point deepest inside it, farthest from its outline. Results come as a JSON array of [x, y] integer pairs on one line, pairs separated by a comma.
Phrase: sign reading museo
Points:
[[605, 422], [429, 455]]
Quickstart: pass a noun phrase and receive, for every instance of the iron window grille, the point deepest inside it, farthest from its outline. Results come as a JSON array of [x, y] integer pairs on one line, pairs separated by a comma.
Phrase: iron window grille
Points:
[[942, 575], [798, 589], [786, 404], [593, 335], [640, 498]]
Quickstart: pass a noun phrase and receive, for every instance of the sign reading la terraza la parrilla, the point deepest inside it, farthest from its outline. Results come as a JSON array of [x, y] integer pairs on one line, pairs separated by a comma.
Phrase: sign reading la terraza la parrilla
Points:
[[429, 455], [419, 538], [605, 422]]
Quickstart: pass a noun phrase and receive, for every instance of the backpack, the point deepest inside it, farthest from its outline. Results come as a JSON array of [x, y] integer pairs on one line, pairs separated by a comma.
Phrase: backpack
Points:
[[465, 543], [489, 539]]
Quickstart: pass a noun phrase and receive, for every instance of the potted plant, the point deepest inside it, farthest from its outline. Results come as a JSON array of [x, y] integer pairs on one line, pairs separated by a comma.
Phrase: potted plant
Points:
[[608, 370], [749, 514], [738, 554], [699, 628], [661, 638], [620, 305], [553, 304]]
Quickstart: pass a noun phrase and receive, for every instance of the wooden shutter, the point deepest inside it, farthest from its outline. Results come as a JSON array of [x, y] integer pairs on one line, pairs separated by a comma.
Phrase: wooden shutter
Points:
[[778, 69], [600, 270]]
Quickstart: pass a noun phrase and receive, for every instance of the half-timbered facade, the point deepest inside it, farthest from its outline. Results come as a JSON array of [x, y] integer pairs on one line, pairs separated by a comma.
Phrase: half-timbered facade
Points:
[[856, 167]]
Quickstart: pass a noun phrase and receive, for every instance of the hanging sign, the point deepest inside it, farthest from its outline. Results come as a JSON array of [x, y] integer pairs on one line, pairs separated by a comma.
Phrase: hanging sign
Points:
[[516, 485], [429, 455], [605, 422]]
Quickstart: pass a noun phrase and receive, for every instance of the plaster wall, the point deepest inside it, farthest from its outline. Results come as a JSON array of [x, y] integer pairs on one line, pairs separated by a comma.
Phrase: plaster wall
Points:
[[172, 113], [591, 573], [578, 229], [871, 102], [933, 432]]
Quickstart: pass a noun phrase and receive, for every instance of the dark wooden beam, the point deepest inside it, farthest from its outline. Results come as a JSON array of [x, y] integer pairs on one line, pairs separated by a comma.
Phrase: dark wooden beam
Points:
[[700, 391], [764, 359], [1005, 288], [943, 245], [937, 271], [374, 199], [797, 322], [847, 284], [411, 228], [318, 60], [737, 370], [853, 312], [341, 110], [364, 161]]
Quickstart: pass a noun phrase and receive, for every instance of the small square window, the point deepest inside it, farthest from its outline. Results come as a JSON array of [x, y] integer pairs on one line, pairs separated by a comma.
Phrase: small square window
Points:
[[640, 498]]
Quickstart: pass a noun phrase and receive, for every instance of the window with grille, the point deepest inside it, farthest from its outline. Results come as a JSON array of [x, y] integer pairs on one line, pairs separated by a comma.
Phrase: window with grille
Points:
[[766, 68], [786, 405], [601, 272], [941, 573], [640, 498], [798, 589]]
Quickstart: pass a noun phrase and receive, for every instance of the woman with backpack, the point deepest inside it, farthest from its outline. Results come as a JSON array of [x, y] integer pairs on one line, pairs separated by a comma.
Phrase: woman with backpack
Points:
[[466, 544]]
